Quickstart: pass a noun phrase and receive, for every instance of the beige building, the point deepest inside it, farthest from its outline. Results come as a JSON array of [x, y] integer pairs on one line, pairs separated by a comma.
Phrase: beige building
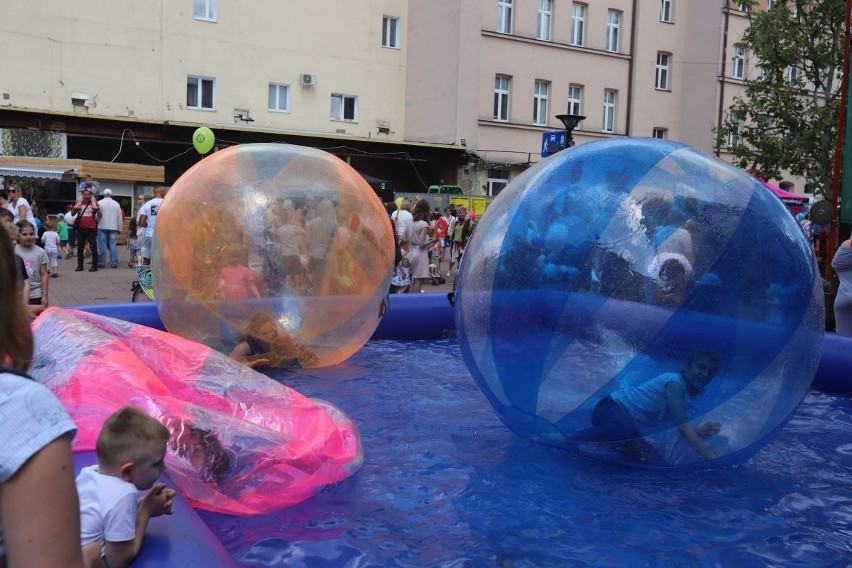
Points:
[[503, 70], [416, 92]]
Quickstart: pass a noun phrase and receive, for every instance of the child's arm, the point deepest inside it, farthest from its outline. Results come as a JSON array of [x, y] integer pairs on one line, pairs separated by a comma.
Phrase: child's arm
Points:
[[45, 282], [157, 501], [677, 408], [254, 290]]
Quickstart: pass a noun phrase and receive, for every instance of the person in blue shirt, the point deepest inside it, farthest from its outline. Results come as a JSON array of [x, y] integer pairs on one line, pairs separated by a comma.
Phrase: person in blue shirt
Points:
[[624, 415]]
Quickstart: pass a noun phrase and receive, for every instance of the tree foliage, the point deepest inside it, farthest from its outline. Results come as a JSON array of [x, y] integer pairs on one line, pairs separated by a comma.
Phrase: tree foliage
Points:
[[786, 116]]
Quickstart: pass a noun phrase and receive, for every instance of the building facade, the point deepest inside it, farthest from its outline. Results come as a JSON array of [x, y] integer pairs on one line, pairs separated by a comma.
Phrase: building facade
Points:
[[129, 82], [503, 70], [409, 93]]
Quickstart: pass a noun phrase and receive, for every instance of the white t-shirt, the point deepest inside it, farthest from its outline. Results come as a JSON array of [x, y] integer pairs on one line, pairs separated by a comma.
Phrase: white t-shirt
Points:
[[403, 219], [16, 210], [31, 418], [50, 240], [107, 507], [648, 403], [110, 214], [150, 210]]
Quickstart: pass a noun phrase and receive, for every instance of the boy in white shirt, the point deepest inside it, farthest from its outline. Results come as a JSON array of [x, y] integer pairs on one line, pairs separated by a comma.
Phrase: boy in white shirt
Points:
[[131, 448], [50, 239]]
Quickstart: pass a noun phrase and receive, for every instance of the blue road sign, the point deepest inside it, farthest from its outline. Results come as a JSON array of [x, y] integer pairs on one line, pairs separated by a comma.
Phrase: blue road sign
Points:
[[552, 141]]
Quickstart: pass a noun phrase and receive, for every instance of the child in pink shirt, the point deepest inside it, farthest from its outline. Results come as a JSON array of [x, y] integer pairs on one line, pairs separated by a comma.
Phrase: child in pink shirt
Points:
[[236, 281]]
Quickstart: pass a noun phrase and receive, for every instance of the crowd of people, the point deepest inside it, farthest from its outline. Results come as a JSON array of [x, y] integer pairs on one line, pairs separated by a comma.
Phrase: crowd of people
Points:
[[89, 229], [425, 240]]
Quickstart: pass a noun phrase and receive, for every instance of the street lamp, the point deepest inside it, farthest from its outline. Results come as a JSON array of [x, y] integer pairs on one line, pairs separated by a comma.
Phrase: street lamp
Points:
[[570, 121]]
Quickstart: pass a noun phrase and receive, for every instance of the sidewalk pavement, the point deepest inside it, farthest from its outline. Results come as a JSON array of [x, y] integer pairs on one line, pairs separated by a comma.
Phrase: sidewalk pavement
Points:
[[113, 285]]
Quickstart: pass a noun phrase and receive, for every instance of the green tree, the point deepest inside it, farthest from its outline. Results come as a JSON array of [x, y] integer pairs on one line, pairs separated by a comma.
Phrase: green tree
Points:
[[786, 117]]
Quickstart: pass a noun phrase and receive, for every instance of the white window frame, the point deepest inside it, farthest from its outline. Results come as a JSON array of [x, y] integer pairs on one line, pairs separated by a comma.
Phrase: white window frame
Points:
[[200, 82], [575, 101], [495, 184], [738, 66], [502, 97], [662, 79], [390, 32], [743, 7], [205, 10], [733, 136], [613, 31], [666, 10], [791, 74], [610, 100], [541, 102], [544, 20], [660, 132], [504, 16], [578, 24], [338, 110], [280, 100]]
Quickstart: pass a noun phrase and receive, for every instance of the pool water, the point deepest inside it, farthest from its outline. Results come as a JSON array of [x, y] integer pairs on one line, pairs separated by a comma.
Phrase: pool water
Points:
[[445, 483]]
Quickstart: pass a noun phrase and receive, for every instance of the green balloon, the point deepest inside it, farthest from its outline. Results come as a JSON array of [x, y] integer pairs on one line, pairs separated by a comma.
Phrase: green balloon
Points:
[[203, 140]]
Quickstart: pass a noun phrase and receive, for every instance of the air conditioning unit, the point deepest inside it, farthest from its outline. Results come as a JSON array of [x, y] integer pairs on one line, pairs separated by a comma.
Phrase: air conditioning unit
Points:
[[307, 80]]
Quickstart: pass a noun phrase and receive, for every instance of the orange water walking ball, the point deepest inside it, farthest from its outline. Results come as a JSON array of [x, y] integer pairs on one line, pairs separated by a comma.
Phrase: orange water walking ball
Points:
[[289, 232]]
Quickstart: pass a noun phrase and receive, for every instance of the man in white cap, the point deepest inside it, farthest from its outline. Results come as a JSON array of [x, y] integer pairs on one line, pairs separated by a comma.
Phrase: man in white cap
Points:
[[108, 228]]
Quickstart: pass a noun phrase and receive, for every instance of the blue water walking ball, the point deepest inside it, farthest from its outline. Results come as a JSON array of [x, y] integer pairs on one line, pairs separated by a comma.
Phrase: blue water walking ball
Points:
[[639, 301]]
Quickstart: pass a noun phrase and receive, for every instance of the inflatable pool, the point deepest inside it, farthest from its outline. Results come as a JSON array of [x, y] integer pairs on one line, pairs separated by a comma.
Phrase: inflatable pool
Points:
[[434, 317], [445, 483]]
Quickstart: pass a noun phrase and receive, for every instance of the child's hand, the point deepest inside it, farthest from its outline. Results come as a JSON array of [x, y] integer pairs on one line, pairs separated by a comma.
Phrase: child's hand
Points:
[[155, 501], [169, 505]]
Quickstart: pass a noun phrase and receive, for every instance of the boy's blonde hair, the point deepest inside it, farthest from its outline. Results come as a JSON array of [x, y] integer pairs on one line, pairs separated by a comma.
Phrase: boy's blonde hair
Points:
[[123, 432]]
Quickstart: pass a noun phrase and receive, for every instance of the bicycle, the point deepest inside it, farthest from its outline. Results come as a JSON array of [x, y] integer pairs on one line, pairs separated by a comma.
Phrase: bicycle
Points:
[[143, 285]]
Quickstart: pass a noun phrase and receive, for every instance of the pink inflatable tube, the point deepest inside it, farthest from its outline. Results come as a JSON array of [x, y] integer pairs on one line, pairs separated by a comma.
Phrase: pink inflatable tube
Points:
[[241, 442]]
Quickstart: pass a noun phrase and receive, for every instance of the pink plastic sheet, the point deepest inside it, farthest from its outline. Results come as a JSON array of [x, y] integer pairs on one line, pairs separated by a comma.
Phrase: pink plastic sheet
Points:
[[241, 442]]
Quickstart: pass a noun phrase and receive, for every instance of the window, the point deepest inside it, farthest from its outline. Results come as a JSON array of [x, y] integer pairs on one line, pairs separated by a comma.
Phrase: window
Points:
[[575, 101], [743, 7], [768, 4], [609, 100], [613, 25], [578, 24], [504, 16], [662, 81], [734, 134], [501, 98], [540, 97], [661, 133], [496, 181], [666, 11], [390, 32], [204, 10], [545, 17], [200, 92], [738, 68], [792, 74], [279, 97], [344, 107]]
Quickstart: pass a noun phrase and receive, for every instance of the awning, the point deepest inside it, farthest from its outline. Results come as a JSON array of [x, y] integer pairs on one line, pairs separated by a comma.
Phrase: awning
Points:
[[42, 173]]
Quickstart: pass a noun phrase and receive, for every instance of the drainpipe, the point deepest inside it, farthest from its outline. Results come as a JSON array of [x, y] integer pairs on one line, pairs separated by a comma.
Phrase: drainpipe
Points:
[[631, 67], [722, 78]]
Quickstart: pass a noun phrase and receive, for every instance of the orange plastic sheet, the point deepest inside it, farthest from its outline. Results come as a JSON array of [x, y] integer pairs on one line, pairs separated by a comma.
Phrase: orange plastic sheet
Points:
[[241, 443]]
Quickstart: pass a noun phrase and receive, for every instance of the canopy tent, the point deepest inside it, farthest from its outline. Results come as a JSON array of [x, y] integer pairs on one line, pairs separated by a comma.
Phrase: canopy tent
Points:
[[382, 187], [795, 203]]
